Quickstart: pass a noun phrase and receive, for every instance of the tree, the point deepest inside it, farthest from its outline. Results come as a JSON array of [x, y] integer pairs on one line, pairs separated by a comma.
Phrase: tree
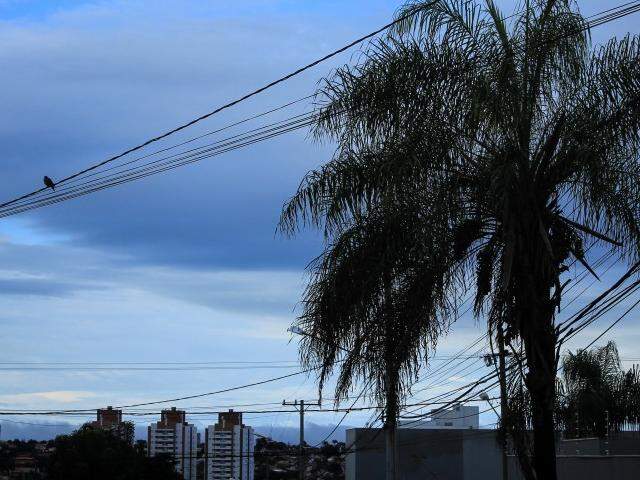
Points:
[[99, 454], [596, 395], [366, 310], [524, 140]]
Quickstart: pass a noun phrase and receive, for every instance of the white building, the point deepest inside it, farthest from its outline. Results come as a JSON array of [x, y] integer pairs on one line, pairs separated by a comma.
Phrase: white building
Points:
[[459, 416], [229, 449], [173, 436]]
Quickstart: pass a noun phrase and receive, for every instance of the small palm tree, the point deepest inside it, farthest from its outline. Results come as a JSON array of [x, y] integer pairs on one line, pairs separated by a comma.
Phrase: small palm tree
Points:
[[375, 306], [525, 142], [596, 395]]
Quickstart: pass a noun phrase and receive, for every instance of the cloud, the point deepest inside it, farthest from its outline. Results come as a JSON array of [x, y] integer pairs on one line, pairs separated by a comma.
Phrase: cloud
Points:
[[314, 433], [118, 312], [26, 400], [34, 429], [91, 81], [184, 266], [37, 288], [88, 79]]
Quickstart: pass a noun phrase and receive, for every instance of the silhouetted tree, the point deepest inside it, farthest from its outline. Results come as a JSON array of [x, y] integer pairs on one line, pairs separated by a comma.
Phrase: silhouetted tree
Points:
[[595, 390], [98, 454], [376, 304], [520, 142]]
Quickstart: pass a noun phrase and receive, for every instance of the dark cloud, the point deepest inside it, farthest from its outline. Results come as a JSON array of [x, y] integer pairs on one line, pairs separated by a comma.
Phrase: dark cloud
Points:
[[314, 433], [84, 81], [79, 94], [33, 430], [39, 287]]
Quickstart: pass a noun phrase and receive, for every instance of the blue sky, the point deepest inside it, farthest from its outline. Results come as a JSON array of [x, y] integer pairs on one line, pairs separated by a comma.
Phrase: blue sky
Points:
[[181, 267]]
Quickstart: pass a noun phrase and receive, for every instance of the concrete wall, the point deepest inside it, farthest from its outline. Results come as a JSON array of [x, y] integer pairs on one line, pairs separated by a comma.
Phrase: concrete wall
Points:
[[482, 455], [618, 443], [590, 467], [579, 446], [426, 454], [430, 454]]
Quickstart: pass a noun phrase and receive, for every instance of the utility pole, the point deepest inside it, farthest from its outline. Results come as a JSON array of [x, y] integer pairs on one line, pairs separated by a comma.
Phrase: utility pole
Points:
[[503, 401], [490, 359], [300, 405]]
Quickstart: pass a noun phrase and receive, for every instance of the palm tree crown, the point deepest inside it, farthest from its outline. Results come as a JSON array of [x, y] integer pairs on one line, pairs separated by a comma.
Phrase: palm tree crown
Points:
[[596, 395], [515, 143]]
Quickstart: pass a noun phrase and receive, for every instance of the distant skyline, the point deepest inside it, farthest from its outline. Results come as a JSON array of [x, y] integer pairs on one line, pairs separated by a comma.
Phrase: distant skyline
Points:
[[185, 266]]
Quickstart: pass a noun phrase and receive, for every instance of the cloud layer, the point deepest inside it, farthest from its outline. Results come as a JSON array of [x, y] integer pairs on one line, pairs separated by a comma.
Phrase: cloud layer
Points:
[[184, 266]]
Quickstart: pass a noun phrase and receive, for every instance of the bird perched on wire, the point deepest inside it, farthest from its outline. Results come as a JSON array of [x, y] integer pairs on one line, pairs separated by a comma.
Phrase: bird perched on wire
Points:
[[49, 183]]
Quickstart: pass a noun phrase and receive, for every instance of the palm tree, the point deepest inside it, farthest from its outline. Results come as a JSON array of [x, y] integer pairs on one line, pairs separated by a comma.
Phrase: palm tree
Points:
[[596, 395], [366, 311], [523, 136]]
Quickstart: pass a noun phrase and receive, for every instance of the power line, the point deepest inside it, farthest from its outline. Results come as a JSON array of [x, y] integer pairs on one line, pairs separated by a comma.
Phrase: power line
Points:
[[204, 363], [454, 418], [221, 108], [211, 393], [450, 370], [347, 412], [88, 412], [620, 318], [37, 424], [620, 12], [600, 298], [143, 369], [217, 392], [191, 140], [568, 325], [146, 170]]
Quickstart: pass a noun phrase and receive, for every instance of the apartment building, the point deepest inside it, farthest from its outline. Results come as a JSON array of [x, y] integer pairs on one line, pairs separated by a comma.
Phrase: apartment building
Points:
[[457, 417], [173, 436], [111, 419], [229, 448]]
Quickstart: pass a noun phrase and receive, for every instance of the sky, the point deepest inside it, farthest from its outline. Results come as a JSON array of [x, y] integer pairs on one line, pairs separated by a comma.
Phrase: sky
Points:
[[181, 267]]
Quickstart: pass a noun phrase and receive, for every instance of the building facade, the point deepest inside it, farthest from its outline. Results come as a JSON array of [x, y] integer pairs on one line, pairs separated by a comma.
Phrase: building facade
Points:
[[229, 449], [457, 417], [111, 419], [174, 437], [427, 453]]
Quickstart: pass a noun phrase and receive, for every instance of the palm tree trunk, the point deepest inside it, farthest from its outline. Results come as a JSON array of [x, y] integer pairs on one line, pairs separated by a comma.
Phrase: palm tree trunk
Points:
[[391, 387], [391, 452], [390, 427], [539, 339], [536, 274], [541, 384]]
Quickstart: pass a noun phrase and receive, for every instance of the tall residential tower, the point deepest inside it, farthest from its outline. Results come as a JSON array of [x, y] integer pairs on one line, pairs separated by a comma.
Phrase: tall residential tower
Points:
[[229, 448], [110, 419], [173, 436]]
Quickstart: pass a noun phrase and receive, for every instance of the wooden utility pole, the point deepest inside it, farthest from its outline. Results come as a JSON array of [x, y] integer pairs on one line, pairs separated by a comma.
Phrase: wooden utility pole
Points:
[[300, 405]]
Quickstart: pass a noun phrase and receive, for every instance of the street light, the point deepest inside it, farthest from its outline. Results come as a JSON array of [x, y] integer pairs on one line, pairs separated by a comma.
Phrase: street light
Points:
[[485, 398]]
